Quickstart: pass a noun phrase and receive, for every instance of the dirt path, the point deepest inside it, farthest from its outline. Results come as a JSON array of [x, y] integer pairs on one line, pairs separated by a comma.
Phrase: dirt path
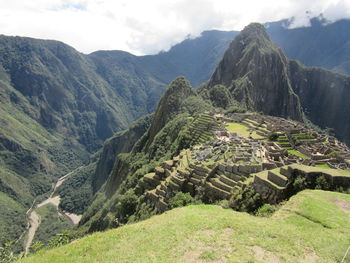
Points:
[[34, 218], [34, 221]]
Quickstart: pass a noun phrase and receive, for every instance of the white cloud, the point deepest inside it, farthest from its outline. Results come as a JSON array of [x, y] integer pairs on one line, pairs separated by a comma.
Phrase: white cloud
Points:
[[144, 27]]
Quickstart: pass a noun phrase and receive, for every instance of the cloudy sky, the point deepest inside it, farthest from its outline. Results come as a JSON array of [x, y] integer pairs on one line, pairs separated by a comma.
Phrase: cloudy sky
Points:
[[149, 26]]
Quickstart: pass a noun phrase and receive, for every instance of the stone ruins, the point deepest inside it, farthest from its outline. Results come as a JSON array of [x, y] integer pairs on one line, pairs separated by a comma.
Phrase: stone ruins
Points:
[[235, 150]]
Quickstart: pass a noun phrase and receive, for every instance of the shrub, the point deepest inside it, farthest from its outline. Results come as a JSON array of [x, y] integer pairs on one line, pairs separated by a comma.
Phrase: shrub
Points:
[[224, 204], [127, 205], [6, 253], [181, 199], [246, 200], [299, 184], [266, 210], [322, 183], [62, 239], [235, 109], [273, 136]]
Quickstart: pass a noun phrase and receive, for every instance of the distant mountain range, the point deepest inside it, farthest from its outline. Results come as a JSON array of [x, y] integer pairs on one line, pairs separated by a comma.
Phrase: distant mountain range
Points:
[[254, 76], [58, 106]]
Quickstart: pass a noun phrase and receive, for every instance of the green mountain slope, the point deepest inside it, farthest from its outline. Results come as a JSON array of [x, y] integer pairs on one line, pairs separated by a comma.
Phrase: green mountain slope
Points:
[[167, 135], [57, 106], [311, 227]]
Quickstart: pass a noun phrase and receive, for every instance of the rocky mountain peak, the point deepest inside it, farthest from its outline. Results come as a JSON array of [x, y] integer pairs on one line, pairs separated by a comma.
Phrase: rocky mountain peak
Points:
[[254, 32], [255, 71]]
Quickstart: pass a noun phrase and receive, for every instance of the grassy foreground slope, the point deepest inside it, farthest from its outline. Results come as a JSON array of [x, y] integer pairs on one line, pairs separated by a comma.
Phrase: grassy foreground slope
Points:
[[313, 226]]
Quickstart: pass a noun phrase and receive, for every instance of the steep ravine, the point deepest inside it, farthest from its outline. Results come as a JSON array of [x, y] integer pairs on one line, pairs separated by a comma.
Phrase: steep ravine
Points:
[[34, 218]]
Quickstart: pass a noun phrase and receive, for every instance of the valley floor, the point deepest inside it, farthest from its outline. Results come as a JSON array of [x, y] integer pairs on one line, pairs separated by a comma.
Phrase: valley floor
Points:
[[34, 219], [313, 226]]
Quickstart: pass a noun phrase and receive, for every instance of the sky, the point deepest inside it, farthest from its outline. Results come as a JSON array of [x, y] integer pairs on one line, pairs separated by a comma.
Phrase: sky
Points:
[[150, 26]]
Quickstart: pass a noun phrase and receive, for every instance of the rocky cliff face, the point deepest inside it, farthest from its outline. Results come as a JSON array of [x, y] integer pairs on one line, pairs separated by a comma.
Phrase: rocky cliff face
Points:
[[325, 97], [256, 72], [122, 142], [260, 77]]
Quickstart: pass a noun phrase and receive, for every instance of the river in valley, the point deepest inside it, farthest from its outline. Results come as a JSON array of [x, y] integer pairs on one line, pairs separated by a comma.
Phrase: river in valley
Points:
[[34, 218]]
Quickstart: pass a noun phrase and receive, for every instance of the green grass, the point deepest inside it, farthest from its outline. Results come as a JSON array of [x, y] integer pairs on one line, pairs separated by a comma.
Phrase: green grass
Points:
[[312, 225], [294, 152], [241, 130], [323, 165], [333, 172], [283, 143]]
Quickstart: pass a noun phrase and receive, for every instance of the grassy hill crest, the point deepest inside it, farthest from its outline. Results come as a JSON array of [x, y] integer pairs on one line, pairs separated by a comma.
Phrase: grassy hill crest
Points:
[[312, 226]]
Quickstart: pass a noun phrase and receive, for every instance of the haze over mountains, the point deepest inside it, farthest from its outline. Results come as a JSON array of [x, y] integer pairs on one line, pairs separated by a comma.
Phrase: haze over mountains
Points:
[[58, 106]]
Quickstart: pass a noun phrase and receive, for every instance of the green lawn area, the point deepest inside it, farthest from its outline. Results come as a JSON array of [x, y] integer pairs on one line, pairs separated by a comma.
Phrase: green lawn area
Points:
[[323, 165], [312, 226], [333, 172], [295, 152], [241, 130]]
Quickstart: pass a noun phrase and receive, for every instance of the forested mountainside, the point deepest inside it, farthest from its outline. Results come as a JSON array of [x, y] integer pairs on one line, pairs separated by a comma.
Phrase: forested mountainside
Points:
[[254, 75], [58, 106]]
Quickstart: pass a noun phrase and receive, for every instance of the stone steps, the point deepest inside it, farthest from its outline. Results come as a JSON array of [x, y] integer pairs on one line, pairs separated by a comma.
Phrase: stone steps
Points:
[[152, 195], [232, 176], [219, 184], [151, 179], [195, 181], [163, 186], [162, 205], [286, 172], [248, 124], [217, 191], [277, 178], [173, 186], [168, 164], [160, 192], [176, 179], [227, 180], [252, 122], [262, 179], [197, 176], [198, 168]]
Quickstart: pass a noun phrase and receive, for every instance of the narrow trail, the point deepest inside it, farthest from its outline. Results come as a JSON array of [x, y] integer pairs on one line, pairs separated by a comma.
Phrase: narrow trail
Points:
[[34, 218], [34, 221]]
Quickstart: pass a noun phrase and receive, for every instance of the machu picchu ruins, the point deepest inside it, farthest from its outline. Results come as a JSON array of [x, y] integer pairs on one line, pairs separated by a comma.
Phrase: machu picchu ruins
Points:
[[232, 151]]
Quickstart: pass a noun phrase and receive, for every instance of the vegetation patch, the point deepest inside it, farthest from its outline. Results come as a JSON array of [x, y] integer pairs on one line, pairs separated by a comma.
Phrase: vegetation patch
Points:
[[299, 154], [205, 233], [50, 223]]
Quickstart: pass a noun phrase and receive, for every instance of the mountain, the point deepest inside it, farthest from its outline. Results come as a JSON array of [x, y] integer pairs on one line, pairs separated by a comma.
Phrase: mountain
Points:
[[260, 77], [255, 71], [57, 107], [322, 44], [167, 135], [193, 58], [253, 75]]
